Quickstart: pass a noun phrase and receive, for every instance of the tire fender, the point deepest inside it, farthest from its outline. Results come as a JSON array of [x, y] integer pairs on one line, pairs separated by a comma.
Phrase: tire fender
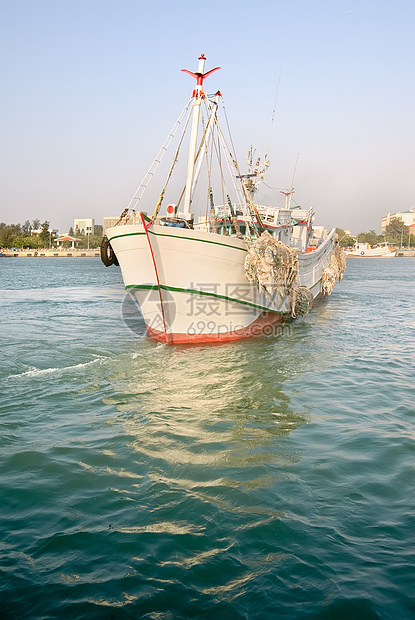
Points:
[[107, 253]]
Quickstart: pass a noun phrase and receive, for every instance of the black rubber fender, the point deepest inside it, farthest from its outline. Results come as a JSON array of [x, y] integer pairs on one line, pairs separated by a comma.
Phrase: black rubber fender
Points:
[[107, 253]]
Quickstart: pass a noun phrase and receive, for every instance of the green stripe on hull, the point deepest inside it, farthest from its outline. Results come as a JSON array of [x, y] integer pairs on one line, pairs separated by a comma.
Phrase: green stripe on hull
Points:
[[135, 234], [154, 287], [158, 234]]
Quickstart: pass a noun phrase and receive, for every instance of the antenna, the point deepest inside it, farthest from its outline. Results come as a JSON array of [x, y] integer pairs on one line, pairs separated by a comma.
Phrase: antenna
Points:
[[295, 168], [273, 113]]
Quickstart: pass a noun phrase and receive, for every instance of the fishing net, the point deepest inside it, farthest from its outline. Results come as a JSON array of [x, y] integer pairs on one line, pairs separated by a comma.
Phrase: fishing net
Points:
[[301, 301], [341, 259], [272, 264], [334, 271]]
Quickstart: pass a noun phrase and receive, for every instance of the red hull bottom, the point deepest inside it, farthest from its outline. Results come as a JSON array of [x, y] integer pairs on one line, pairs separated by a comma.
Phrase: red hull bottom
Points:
[[265, 325]]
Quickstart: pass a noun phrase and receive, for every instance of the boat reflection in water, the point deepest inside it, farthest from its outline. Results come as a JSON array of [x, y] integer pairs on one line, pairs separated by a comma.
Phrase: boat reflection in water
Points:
[[198, 407]]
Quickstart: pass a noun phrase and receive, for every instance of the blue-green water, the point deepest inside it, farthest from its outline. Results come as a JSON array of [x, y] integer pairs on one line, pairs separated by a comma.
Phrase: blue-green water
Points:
[[265, 479]]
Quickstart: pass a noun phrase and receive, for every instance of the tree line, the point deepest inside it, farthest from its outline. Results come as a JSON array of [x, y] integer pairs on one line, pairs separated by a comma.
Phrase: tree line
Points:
[[396, 233], [20, 236]]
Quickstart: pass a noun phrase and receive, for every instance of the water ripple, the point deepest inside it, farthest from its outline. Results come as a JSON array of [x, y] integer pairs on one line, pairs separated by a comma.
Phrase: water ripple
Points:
[[262, 479]]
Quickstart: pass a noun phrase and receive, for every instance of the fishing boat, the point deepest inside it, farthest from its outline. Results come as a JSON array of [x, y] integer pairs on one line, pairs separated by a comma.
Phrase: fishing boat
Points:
[[213, 265], [365, 250]]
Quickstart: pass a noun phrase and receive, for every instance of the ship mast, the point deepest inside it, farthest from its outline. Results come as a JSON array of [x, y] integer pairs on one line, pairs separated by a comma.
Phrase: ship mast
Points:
[[205, 139], [198, 95], [288, 195]]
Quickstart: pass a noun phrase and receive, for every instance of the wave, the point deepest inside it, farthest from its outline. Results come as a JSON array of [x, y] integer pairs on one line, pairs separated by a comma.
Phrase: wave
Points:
[[34, 372]]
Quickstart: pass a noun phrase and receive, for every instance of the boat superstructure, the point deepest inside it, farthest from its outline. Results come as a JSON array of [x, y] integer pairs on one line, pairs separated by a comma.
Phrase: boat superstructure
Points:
[[237, 268]]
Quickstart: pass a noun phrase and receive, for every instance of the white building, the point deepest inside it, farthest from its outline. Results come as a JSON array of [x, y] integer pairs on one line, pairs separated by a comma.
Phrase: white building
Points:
[[408, 218], [36, 232], [113, 220], [110, 221], [84, 227]]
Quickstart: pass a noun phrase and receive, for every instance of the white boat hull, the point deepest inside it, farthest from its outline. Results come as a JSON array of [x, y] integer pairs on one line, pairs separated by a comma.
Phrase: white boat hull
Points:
[[383, 252], [191, 285]]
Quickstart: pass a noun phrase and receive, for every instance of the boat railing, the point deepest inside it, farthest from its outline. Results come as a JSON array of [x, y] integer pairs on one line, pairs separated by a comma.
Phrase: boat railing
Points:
[[301, 214], [275, 215], [272, 216], [224, 211], [269, 215]]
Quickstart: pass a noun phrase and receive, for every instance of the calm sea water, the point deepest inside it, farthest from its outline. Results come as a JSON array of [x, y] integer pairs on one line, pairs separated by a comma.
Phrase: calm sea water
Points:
[[265, 479]]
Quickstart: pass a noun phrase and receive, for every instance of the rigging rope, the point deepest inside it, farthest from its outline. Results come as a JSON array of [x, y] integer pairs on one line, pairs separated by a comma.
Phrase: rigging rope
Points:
[[202, 143], [151, 171], [253, 210], [160, 200]]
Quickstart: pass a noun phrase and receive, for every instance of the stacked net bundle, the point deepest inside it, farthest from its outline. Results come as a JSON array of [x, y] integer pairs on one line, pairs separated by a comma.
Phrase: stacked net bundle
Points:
[[334, 271], [301, 301], [272, 264], [341, 259]]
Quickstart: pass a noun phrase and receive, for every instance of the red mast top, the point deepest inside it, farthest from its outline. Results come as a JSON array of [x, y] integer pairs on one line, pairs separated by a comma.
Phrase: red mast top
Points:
[[200, 76]]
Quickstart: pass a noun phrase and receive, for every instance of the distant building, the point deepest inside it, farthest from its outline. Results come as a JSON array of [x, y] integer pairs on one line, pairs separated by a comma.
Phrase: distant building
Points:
[[36, 232], [408, 218], [110, 221], [319, 232], [72, 240], [84, 227], [132, 218]]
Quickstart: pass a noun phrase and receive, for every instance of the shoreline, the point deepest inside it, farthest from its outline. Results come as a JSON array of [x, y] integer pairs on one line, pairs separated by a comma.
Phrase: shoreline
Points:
[[49, 253], [76, 252]]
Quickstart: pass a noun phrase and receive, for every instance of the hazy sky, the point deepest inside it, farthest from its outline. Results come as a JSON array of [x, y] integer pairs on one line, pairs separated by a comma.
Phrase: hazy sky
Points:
[[91, 88]]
